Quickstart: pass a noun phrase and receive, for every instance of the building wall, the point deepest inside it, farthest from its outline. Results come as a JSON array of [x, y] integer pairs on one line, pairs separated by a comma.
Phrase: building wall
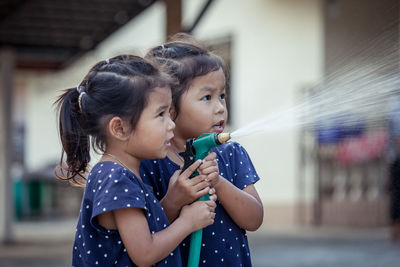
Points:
[[276, 50]]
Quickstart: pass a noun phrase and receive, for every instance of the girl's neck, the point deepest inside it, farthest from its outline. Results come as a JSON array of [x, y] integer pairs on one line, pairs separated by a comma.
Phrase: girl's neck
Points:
[[124, 159], [177, 145]]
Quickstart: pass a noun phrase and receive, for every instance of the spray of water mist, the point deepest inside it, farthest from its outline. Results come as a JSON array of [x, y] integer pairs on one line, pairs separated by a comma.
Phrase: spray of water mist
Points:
[[358, 92]]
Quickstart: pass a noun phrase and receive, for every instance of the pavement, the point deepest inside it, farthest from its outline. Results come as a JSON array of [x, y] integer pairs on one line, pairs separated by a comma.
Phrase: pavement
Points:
[[49, 244], [324, 247]]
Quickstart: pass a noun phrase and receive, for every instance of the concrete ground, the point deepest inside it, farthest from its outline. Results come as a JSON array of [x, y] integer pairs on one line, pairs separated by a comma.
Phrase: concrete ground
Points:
[[50, 245], [324, 248]]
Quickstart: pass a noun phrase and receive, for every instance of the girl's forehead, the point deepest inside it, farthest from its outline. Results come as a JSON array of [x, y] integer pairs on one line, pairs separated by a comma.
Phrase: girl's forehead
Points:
[[214, 80], [160, 94], [161, 90]]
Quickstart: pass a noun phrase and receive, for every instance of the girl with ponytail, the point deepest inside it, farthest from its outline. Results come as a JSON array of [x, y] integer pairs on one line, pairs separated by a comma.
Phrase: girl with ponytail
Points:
[[121, 109]]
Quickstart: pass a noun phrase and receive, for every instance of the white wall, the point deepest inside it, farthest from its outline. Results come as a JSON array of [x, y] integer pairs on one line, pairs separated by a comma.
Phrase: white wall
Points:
[[277, 49]]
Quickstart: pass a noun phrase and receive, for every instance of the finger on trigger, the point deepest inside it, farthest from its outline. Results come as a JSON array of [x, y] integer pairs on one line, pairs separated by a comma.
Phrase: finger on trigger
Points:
[[192, 168]]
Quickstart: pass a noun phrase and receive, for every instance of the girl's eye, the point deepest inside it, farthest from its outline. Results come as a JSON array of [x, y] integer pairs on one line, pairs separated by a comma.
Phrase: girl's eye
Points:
[[222, 96], [161, 114], [207, 97]]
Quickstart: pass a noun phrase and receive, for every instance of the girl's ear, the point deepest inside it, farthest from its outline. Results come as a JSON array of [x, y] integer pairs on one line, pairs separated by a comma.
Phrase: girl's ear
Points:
[[119, 129]]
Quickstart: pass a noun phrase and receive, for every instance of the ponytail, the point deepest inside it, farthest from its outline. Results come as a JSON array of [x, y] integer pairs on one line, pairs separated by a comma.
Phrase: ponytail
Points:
[[75, 142]]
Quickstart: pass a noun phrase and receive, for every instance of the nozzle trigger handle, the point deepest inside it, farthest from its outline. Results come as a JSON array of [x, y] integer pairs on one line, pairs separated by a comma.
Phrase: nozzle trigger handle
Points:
[[188, 155]]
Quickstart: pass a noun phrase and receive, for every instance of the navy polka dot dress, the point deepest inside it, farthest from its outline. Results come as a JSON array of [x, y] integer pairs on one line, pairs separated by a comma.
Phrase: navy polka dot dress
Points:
[[110, 187], [224, 243]]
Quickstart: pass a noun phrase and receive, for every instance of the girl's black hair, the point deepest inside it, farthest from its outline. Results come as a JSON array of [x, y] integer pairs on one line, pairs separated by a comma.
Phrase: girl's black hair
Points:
[[184, 59], [119, 86]]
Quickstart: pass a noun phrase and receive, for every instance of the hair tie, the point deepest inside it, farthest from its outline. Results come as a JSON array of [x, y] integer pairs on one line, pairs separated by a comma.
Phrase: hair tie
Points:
[[80, 100]]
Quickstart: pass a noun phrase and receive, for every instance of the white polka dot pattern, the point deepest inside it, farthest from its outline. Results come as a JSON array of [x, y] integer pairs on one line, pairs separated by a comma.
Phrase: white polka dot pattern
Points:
[[223, 243], [113, 187]]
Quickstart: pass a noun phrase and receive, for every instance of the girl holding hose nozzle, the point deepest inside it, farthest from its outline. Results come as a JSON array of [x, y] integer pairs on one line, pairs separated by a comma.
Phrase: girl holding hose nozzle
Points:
[[198, 106]]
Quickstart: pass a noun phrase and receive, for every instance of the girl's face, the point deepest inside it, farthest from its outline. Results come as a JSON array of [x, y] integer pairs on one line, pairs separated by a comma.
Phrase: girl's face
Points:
[[154, 130], [202, 108]]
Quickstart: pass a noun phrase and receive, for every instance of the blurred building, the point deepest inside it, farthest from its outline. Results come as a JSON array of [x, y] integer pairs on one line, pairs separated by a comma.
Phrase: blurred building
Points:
[[276, 49]]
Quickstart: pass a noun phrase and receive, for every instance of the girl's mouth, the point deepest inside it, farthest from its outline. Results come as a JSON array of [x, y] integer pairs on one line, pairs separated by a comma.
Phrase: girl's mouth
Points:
[[219, 127], [168, 142]]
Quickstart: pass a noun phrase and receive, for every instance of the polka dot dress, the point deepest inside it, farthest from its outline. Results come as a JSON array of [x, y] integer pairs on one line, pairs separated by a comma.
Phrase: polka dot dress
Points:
[[224, 243], [110, 187]]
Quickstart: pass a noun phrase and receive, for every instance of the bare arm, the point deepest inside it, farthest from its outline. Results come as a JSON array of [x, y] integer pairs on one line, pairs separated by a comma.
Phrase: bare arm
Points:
[[244, 206], [146, 249]]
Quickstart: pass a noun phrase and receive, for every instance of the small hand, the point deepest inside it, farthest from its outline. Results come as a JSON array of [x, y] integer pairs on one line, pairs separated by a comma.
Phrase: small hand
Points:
[[199, 214], [213, 195], [183, 190], [209, 169]]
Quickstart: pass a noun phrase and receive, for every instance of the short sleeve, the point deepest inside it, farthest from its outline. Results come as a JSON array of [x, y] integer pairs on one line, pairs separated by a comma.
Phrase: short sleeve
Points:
[[157, 173], [235, 165], [117, 189], [150, 173]]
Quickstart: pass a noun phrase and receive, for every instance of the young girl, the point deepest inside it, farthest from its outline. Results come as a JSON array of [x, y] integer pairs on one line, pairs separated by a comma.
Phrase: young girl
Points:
[[199, 107], [122, 106]]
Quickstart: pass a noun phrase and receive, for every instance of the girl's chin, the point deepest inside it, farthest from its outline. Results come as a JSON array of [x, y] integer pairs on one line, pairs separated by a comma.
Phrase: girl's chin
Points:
[[162, 154]]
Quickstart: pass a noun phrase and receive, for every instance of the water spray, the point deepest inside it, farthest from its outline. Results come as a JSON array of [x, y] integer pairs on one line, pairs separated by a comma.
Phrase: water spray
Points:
[[354, 94]]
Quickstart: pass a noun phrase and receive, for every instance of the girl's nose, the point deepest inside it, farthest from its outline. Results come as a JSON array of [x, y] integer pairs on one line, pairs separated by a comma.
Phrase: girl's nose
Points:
[[220, 107], [171, 124]]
